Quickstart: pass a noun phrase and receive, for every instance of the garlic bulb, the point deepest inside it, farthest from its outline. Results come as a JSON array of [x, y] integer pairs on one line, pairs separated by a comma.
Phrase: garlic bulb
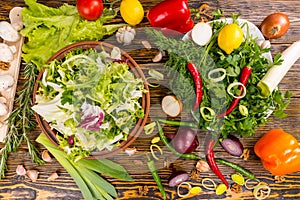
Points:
[[125, 35]]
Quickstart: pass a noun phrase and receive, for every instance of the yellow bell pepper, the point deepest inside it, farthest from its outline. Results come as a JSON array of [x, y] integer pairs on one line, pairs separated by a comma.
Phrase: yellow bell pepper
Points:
[[279, 152], [132, 11]]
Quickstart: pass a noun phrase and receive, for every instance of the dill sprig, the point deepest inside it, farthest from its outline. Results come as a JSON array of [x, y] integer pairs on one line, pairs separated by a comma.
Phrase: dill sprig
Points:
[[20, 123]]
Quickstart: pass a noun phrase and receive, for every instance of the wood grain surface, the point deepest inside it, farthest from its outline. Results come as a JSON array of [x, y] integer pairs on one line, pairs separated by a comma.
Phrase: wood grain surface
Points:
[[144, 187]]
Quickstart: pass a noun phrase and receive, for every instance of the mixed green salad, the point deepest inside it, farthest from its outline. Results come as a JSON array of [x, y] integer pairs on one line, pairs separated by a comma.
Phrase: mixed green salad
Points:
[[91, 98], [252, 110]]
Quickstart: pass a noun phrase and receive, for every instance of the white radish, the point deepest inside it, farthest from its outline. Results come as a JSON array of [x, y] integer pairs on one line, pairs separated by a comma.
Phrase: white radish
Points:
[[201, 33], [273, 77], [171, 105]]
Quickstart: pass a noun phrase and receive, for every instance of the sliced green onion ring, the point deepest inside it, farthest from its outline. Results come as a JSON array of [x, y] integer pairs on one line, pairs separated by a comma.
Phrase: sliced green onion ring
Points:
[[179, 187], [152, 151], [230, 86], [243, 110], [254, 182], [261, 191], [213, 185], [155, 74], [149, 128], [207, 117], [214, 71], [150, 84], [155, 140]]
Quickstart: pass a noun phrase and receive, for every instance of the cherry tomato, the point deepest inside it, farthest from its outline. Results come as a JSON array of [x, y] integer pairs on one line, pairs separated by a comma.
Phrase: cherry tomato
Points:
[[90, 9]]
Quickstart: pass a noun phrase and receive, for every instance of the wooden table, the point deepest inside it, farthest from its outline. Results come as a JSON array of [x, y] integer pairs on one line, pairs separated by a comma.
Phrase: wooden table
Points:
[[144, 187]]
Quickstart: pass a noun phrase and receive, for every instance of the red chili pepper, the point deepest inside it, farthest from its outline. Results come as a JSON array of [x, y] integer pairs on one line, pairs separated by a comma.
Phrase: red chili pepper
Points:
[[246, 72], [197, 82], [171, 14], [210, 158]]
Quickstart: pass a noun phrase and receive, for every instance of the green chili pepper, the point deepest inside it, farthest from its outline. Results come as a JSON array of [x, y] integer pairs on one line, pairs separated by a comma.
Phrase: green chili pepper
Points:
[[179, 123], [152, 168], [236, 167]]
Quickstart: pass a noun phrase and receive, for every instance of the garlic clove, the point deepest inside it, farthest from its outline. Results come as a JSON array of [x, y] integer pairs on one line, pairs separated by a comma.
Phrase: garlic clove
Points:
[[158, 57], [265, 45], [21, 170], [46, 156], [146, 44], [33, 175], [52, 177], [202, 166], [130, 151], [259, 42]]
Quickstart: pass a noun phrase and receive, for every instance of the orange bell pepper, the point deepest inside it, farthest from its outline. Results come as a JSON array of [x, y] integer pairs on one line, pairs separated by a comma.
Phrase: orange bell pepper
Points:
[[279, 152]]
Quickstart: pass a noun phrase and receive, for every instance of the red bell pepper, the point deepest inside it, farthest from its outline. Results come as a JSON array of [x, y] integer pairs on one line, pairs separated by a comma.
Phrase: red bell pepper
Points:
[[171, 14]]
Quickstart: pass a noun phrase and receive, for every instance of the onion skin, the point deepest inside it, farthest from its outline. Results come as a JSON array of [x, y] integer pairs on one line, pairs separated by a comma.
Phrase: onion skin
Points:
[[185, 141], [275, 25], [232, 145], [177, 177]]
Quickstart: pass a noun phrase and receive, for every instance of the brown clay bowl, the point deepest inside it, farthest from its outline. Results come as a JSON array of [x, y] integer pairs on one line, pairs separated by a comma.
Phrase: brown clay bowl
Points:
[[145, 101]]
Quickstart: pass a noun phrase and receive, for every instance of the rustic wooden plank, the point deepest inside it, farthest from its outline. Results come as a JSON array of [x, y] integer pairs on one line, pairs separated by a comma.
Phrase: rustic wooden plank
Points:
[[144, 187]]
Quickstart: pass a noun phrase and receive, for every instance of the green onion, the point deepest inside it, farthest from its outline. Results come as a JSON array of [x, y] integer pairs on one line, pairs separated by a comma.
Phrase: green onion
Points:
[[85, 172]]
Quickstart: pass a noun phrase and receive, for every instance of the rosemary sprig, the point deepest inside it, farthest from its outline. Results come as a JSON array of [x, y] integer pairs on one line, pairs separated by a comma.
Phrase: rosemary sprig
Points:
[[20, 123]]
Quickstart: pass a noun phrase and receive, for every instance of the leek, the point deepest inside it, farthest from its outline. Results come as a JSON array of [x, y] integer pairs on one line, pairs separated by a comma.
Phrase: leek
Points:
[[274, 75], [85, 172]]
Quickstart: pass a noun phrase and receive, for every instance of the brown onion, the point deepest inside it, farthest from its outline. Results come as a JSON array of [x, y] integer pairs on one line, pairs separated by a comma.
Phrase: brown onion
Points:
[[275, 25]]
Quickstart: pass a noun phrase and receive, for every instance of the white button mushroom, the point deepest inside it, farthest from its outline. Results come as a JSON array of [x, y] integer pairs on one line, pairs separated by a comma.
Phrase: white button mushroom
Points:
[[6, 53], [16, 18], [3, 100], [8, 33], [3, 109], [6, 81]]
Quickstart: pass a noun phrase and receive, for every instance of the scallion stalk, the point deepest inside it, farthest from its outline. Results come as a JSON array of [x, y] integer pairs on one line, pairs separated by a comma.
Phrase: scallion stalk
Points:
[[273, 77]]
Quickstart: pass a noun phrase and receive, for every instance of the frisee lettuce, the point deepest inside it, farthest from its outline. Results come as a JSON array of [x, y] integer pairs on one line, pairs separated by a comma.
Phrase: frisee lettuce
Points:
[[90, 95]]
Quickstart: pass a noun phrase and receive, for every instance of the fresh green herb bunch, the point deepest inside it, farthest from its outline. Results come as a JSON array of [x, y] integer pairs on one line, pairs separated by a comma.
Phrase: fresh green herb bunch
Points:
[[20, 122], [215, 96]]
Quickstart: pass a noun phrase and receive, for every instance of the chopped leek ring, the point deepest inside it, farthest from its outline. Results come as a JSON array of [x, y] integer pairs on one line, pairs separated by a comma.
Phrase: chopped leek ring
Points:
[[213, 185], [236, 84], [155, 74], [214, 71], [152, 151], [207, 117], [179, 187], [149, 128]]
